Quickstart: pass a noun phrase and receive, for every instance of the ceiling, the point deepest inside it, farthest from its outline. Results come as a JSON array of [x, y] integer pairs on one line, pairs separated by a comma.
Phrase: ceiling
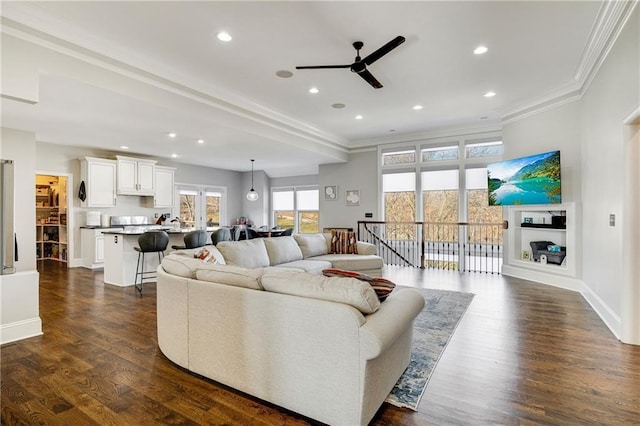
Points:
[[228, 94]]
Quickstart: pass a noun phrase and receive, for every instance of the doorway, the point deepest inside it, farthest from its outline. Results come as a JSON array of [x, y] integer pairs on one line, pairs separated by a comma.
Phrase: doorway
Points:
[[53, 231]]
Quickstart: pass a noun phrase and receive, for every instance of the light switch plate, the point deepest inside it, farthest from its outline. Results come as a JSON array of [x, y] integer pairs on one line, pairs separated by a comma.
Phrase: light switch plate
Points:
[[612, 220]]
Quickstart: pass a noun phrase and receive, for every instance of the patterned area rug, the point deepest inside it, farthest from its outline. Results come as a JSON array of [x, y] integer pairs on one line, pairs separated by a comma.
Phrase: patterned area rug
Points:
[[432, 330]]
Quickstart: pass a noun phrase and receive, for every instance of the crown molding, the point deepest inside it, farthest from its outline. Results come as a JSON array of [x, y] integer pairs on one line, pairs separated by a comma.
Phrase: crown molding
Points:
[[457, 132], [611, 19], [31, 23]]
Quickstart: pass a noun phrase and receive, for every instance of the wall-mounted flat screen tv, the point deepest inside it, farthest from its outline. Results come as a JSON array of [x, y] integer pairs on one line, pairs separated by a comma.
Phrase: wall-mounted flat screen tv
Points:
[[528, 180]]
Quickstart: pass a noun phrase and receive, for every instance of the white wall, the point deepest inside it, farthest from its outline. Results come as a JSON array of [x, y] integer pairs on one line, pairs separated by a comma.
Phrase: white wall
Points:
[[19, 299], [361, 172], [613, 95]]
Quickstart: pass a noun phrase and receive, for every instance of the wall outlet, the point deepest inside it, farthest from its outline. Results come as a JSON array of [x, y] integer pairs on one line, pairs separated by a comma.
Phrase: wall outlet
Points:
[[156, 215], [612, 220]]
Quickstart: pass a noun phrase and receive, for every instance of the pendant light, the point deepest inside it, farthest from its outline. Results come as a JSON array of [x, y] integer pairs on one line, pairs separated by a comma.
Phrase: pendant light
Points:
[[252, 195]]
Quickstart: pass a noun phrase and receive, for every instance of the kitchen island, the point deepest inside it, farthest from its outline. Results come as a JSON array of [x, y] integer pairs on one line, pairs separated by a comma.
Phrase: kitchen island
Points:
[[120, 257]]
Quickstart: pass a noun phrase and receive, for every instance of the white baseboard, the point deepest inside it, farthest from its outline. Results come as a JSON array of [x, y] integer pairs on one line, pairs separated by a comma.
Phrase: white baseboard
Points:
[[567, 283], [20, 330], [611, 320]]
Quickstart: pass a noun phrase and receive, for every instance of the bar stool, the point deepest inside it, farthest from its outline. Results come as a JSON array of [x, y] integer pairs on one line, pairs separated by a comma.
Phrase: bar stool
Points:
[[222, 234], [149, 242], [193, 239]]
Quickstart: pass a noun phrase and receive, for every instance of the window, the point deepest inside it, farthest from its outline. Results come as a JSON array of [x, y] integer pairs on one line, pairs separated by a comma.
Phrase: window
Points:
[[440, 195], [188, 208], [398, 157], [484, 149], [478, 208], [440, 153], [201, 207], [440, 204], [399, 204], [308, 206], [296, 208]]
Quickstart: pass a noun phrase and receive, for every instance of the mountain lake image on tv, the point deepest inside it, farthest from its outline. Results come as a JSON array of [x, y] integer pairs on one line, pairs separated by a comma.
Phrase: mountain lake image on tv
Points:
[[528, 180]]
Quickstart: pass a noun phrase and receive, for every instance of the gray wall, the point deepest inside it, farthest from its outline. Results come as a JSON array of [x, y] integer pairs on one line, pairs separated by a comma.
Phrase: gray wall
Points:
[[361, 172]]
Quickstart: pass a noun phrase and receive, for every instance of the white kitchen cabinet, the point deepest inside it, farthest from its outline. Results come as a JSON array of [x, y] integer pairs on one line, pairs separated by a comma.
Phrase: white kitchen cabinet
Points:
[[136, 176], [93, 247], [164, 187], [99, 177]]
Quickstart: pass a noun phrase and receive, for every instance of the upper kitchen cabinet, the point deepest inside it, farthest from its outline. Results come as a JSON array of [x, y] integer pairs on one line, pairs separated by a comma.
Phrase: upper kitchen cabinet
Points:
[[136, 176], [98, 186], [164, 187]]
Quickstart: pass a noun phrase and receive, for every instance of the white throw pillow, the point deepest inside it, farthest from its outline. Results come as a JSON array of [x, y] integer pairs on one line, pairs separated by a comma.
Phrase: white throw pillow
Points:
[[245, 253], [231, 275], [311, 244], [282, 250], [350, 291]]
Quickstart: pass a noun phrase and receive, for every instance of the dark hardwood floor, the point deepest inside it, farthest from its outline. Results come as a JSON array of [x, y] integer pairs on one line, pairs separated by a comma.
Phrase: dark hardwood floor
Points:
[[524, 353]]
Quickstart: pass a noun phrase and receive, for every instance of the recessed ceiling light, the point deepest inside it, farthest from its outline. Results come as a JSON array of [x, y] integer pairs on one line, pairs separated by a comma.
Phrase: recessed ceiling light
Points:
[[174, 155], [359, 117], [313, 90], [200, 141], [338, 106], [489, 94], [172, 135], [484, 117], [284, 74], [224, 36], [417, 107], [480, 50], [392, 130], [124, 147]]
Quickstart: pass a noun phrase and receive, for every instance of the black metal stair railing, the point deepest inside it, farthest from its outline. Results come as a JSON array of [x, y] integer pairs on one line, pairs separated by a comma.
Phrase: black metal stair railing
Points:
[[461, 246]]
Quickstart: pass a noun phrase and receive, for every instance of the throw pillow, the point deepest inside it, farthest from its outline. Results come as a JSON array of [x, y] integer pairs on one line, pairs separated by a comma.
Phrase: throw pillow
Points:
[[205, 255], [343, 242], [382, 286]]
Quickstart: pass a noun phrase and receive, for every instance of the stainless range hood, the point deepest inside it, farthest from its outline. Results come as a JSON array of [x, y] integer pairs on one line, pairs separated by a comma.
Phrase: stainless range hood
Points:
[[8, 245]]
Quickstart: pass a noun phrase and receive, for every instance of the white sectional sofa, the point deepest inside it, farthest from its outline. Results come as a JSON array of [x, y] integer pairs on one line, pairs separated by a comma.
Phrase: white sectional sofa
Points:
[[323, 347]]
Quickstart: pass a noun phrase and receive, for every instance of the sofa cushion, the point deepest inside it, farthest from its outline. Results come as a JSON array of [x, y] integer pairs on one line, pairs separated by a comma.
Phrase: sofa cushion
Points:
[[192, 252], [352, 262], [311, 244], [231, 275], [366, 248], [343, 242], [246, 253], [308, 265], [350, 291], [382, 286], [282, 250], [182, 266]]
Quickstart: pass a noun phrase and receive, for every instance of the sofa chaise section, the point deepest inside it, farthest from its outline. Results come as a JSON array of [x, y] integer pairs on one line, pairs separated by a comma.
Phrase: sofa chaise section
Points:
[[323, 359]]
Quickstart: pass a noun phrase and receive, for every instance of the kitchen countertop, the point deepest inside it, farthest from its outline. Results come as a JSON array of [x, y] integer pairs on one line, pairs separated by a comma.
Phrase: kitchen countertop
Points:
[[135, 230]]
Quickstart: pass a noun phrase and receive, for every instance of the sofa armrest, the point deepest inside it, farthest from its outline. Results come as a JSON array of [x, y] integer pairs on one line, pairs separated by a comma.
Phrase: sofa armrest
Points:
[[366, 248], [395, 315]]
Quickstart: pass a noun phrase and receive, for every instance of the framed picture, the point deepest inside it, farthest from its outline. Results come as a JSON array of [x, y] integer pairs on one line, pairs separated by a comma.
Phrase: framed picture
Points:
[[526, 255], [528, 220], [352, 197], [330, 193]]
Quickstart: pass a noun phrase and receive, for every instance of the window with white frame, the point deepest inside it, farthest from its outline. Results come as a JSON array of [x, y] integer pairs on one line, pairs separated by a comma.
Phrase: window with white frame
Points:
[[201, 207], [399, 191], [439, 195], [296, 208]]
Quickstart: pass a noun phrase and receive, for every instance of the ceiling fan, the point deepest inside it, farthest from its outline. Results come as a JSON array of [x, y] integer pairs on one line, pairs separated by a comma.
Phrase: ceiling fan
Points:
[[360, 65]]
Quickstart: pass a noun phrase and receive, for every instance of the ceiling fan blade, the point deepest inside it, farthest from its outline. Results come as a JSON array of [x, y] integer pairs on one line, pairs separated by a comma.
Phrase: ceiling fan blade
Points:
[[369, 78], [310, 67], [383, 50]]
